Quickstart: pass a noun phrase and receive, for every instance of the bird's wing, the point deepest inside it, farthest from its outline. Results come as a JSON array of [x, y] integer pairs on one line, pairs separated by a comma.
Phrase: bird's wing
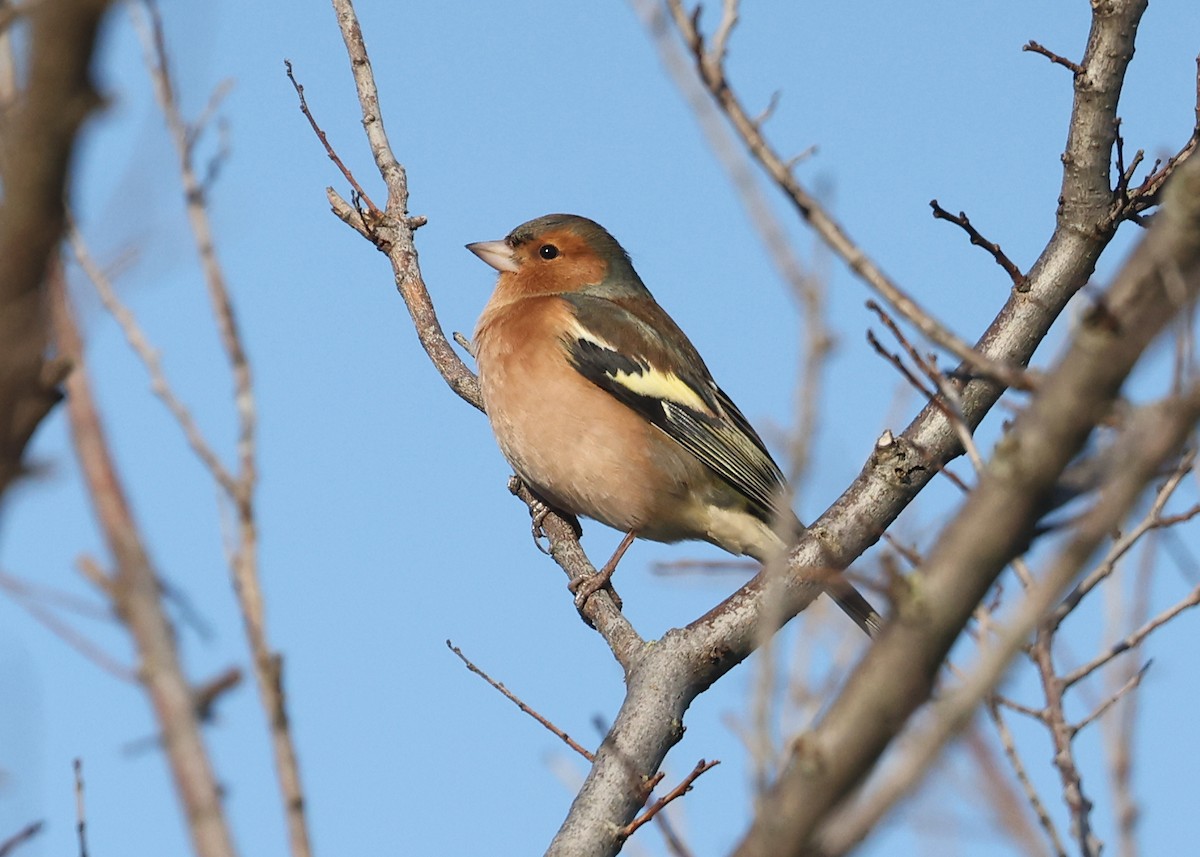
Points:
[[636, 353]]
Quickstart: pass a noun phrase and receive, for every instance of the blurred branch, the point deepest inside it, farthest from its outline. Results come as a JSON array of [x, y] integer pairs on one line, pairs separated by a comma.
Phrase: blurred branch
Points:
[[807, 287], [1161, 277], [239, 487], [37, 143], [710, 70], [1164, 427], [1118, 730], [29, 599], [1152, 520], [12, 843], [1032, 797], [149, 355], [136, 597], [1134, 639]]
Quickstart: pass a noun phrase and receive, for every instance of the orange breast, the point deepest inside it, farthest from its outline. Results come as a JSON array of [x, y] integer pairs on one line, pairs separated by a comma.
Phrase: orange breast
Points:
[[576, 445]]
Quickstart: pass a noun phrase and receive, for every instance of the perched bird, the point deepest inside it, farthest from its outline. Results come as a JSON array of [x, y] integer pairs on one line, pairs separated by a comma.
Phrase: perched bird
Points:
[[606, 410]]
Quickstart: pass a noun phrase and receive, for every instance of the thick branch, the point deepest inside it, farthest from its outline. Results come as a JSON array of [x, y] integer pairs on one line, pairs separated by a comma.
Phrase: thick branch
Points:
[[37, 142], [897, 675], [684, 663], [1159, 431]]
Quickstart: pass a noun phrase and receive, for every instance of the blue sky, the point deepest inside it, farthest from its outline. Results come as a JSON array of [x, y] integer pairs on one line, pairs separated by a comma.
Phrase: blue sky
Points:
[[386, 524]]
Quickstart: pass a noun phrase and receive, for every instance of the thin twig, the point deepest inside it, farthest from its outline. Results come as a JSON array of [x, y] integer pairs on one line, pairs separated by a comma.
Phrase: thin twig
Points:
[[962, 221], [1133, 640], [12, 843], [515, 700], [329, 150], [240, 489], [679, 791], [1019, 771], [57, 598], [80, 810], [1130, 684], [1073, 67], [65, 632]]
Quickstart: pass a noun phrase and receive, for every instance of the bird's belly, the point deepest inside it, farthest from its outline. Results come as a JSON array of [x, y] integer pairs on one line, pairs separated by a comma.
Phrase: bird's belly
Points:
[[600, 468]]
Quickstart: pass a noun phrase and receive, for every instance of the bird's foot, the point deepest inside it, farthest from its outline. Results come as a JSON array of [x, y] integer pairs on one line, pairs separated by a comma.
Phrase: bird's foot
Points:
[[538, 510], [537, 516], [585, 587]]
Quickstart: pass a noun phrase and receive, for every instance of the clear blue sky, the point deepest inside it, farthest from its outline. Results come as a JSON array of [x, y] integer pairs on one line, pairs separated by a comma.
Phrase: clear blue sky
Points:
[[386, 525]]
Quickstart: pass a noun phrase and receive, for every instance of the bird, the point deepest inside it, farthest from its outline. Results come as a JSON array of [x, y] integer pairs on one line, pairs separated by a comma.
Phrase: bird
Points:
[[606, 410]]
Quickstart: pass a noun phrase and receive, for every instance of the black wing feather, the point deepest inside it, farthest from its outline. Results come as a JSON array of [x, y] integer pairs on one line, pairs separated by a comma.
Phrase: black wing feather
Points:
[[722, 439]]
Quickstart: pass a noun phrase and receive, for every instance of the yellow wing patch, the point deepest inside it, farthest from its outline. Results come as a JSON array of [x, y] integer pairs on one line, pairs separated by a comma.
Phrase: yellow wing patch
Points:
[[650, 381]]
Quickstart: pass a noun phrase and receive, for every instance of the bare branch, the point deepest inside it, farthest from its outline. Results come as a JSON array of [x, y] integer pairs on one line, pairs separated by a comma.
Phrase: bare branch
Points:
[[240, 488], [12, 843], [149, 356], [1153, 519], [329, 150], [80, 810], [1133, 640], [1130, 684], [136, 596], [679, 791], [1031, 793], [711, 72], [1172, 423], [963, 222], [992, 527], [515, 700], [394, 233], [1079, 805], [1073, 67], [37, 144]]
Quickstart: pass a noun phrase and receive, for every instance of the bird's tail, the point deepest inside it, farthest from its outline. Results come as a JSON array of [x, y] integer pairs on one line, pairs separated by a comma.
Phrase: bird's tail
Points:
[[855, 605]]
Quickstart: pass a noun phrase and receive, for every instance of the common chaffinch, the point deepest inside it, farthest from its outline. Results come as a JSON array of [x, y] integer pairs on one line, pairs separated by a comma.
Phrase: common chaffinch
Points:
[[605, 409]]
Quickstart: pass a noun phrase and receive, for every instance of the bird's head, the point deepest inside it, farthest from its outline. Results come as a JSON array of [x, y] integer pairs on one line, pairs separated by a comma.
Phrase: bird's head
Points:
[[558, 254]]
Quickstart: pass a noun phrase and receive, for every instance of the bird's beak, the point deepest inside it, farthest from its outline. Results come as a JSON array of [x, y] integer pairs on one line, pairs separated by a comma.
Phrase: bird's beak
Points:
[[495, 253]]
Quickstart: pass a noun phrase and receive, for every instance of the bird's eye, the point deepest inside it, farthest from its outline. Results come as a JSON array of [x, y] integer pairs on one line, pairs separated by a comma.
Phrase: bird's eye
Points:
[[548, 251]]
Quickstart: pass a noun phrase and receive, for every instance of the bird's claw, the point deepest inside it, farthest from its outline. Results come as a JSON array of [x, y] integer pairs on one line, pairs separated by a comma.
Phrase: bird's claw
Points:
[[537, 516], [585, 587]]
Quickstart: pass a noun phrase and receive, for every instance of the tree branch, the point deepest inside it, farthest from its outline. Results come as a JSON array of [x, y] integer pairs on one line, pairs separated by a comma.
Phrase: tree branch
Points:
[[1161, 277], [137, 598], [37, 145]]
